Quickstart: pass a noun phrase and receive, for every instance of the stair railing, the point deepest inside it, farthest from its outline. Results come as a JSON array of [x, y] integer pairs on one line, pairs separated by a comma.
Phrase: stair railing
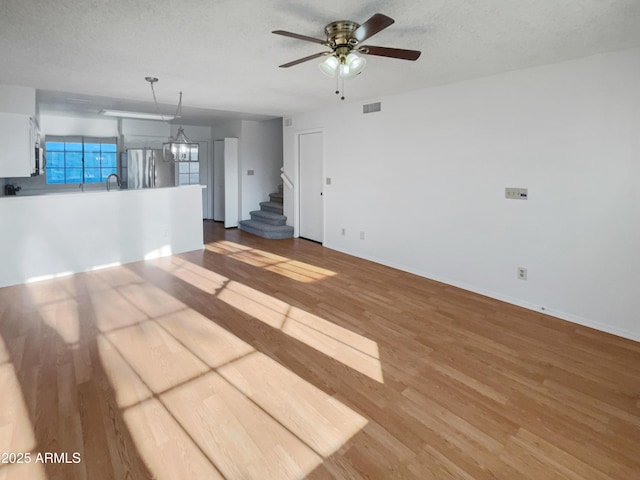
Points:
[[287, 181]]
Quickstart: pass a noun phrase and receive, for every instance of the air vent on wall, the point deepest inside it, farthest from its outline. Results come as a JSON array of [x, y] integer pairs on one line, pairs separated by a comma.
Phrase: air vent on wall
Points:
[[371, 107], [288, 122]]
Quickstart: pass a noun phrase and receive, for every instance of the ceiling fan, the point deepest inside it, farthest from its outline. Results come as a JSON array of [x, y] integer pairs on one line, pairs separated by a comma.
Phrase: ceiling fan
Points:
[[344, 38]]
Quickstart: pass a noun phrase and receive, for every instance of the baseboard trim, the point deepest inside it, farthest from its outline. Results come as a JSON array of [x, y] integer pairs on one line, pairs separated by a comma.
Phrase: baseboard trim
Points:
[[569, 317]]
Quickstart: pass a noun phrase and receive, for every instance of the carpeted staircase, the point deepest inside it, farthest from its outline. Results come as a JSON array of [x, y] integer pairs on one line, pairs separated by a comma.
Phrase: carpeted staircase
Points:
[[268, 222]]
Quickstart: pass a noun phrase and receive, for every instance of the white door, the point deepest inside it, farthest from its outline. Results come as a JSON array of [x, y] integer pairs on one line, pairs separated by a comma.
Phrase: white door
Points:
[[218, 181], [310, 186], [231, 188]]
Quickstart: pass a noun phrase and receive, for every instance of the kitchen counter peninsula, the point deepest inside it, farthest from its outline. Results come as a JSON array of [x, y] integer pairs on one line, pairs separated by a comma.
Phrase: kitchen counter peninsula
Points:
[[44, 236]]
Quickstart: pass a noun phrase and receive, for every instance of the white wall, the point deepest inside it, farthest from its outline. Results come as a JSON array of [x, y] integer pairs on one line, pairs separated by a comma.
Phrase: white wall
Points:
[[56, 124], [143, 133], [66, 233], [425, 178], [260, 150], [230, 129]]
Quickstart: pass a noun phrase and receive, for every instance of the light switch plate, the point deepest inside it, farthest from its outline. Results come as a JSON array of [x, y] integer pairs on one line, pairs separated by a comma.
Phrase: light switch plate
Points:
[[513, 193], [328, 180], [250, 172]]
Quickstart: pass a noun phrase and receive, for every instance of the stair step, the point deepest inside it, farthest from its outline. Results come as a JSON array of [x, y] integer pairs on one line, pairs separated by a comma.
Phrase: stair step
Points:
[[265, 230], [276, 197], [268, 217], [271, 207]]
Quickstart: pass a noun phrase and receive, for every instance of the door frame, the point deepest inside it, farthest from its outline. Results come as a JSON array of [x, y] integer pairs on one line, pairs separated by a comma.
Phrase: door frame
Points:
[[217, 181], [296, 205], [231, 182]]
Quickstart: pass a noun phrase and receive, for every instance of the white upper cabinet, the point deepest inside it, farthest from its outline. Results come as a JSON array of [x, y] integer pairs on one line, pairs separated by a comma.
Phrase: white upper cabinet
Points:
[[17, 145]]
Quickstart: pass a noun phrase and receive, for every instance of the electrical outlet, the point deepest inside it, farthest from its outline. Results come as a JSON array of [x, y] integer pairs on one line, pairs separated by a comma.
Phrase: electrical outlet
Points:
[[344, 232], [328, 180], [361, 235], [250, 172], [522, 273]]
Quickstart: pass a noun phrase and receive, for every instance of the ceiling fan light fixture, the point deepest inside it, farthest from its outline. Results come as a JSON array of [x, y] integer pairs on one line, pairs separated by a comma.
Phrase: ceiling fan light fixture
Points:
[[346, 67], [329, 66], [345, 38], [355, 64]]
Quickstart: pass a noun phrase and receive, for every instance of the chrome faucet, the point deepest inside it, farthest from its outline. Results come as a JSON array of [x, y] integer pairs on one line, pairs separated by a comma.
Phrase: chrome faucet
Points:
[[117, 180]]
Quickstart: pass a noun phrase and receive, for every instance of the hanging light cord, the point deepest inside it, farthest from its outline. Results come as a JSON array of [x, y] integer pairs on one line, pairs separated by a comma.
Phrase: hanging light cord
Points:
[[151, 81], [179, 109], [338, 78]]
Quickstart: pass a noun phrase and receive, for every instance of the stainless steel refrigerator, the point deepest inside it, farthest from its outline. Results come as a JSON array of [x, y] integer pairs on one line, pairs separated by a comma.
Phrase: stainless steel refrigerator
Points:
[[145, 168]]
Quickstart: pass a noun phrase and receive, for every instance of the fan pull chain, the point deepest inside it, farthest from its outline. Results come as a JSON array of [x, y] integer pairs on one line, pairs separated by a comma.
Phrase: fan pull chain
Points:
[[338, 77]]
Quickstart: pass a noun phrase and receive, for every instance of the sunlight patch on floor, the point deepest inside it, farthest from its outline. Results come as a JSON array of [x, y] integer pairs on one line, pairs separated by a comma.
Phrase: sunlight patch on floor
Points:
[[326, 337], [198, 401], [16, 429], [316, 418], [150, 300], [64, 318], [167, 449], [112, 310], [205, 280], [43, 293], [20, 471], [213, 344], [336, 342], [5, 357], [57, 308], [259, 305], [242, 440], [188, 385], [341, 344], [293, 269]]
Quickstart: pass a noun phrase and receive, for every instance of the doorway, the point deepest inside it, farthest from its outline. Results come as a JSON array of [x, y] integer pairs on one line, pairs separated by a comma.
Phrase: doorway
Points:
[[311, 207]]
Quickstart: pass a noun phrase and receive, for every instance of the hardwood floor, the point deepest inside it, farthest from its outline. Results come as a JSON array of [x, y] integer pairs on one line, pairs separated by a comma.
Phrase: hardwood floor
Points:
[[259, 359]]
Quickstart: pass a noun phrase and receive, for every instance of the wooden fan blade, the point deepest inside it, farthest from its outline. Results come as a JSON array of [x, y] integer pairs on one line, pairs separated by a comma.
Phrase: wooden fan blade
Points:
[[300, 37], [305, 59], [372, 26], [390, 52]]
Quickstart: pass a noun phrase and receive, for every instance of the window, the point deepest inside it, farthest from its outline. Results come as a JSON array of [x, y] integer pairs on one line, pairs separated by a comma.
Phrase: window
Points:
[[80, 159], [188, 173]]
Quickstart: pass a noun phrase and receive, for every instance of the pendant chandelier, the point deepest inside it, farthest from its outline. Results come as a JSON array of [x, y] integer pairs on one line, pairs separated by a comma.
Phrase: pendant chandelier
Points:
[[179, 148]]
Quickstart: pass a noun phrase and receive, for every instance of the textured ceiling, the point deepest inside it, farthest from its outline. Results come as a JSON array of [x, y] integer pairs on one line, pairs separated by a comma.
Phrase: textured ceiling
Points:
[[222, 54]]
